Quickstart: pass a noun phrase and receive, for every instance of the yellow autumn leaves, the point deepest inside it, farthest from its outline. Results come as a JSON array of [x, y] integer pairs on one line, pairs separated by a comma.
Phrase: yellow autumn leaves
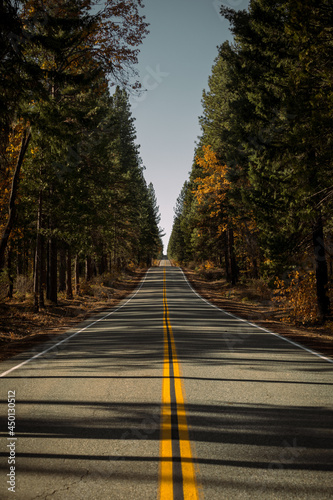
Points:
[[214, 184], [297, 296]]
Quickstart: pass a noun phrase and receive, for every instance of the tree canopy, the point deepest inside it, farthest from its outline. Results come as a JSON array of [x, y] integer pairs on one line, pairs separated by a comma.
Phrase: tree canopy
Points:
[[263, 199], [73, 186]]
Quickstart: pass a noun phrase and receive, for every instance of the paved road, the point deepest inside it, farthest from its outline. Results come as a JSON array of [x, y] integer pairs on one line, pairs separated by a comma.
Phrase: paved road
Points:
[[165, 262], [167, 397]]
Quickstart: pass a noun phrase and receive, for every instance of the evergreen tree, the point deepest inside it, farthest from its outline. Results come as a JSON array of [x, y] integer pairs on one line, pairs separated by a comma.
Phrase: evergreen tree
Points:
[[266, 116], [289, 126], [83, 188]]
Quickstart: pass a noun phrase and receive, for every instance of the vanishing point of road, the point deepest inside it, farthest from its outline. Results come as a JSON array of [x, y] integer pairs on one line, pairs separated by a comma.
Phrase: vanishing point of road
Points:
[[166, 397]]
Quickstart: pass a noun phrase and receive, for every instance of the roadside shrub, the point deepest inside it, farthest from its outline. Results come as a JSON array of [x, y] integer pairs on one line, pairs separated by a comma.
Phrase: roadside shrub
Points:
[[297, 295], [262, 289], [107, 279], [86, 288], [99, 286], [209, 271], [191, 265], [99, 292], [132, 266]]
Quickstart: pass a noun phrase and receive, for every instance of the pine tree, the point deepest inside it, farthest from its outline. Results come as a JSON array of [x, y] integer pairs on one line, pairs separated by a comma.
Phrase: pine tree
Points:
[[288, 127], [72, 53]]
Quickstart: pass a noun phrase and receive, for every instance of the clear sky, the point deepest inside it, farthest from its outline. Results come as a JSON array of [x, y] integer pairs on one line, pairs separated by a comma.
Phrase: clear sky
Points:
[[175, 62]]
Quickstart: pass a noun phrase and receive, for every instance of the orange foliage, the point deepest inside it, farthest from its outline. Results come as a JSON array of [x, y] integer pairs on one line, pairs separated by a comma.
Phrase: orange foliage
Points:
[[213, 187], [119, 32], [112, 40], [298, 296]]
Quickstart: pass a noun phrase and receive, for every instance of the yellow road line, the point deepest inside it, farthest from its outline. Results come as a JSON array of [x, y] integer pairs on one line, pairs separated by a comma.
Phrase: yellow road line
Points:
[[189, 485], [166, 478]]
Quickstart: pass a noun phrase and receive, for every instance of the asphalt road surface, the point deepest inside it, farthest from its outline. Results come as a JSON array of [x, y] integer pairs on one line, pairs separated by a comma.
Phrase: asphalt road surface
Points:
[[166, 397]]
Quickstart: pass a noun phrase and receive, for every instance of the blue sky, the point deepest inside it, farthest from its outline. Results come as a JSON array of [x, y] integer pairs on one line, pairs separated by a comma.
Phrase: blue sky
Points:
[[175, 62]]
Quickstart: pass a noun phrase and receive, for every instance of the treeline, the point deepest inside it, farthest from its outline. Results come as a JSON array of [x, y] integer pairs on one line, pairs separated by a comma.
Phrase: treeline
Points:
[[259, 198], [74, 201]]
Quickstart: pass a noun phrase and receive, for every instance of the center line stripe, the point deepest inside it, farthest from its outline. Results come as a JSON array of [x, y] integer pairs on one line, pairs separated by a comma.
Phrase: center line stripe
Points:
[[177, 475]]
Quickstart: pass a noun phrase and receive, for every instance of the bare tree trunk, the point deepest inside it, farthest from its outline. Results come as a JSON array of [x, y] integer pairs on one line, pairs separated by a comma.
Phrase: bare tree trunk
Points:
[[20, 257], [88, 272], [62, 270], [255, 272], [232, 256], [42, 273], [69, 289], [53, 270], [321, 268], [226, 257], [77, 275], [101, 266], [10, 273], [14, 189], [38, 256], [36, 276]]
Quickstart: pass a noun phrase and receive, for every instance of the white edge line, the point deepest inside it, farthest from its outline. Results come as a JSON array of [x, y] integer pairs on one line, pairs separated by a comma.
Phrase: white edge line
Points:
[[257, 326], [74, 334]]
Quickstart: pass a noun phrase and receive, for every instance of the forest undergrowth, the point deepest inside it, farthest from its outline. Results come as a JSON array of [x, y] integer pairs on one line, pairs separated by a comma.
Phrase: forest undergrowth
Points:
[[284, 307]]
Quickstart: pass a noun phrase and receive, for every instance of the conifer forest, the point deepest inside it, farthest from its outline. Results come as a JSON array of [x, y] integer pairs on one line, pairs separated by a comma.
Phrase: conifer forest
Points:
[[258, 201], [74, 201]]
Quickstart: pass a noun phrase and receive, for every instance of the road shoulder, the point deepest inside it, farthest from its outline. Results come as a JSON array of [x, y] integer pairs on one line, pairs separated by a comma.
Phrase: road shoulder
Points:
[[21, 329], [318, 338]]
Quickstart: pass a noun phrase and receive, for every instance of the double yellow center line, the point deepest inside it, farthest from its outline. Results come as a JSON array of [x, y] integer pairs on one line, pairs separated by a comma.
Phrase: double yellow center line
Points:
[[177, 475]]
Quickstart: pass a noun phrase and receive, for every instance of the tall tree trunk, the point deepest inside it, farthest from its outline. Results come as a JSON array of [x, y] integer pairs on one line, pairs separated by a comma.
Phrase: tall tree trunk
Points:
[[62, 269], [20, 257], [77, 275], [38, 256], [24, 256], [227, 257], [10, 273], [88, 270], [321, 268], [232, 257], [69, 289], [36, 275], [53, 270], [48, 265], [13, 195], [42, 277], [101, 266], [255, 272]]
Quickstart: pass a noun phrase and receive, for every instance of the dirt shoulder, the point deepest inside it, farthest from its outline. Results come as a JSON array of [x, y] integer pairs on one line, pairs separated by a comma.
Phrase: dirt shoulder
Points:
[[242, 301], [21, 329]]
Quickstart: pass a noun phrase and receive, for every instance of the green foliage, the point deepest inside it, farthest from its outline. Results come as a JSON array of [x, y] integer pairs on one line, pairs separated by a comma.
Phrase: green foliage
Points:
[[82, 190], [266, 115]]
